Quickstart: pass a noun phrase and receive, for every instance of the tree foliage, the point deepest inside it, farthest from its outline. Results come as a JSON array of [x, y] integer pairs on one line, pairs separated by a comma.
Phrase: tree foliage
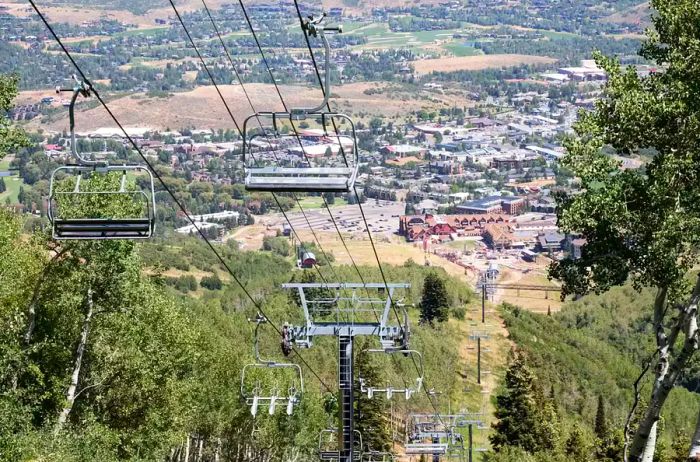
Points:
[[11, 138], [435, 303], [371, 416], [525, 418]]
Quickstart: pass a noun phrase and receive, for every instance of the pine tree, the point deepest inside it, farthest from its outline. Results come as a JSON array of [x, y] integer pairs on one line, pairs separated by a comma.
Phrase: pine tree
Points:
[[3, 188], [576, 447], [525, 419], [601, 424], [370, 418], [435, 303]]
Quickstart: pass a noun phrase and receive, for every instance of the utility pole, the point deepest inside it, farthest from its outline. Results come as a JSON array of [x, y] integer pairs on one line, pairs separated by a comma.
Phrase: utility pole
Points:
[[483, 302], [471, 442], [478, 361]]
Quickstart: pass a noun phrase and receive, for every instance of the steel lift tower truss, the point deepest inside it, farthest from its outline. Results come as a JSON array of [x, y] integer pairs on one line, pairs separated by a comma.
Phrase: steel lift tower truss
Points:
[[340, 310]]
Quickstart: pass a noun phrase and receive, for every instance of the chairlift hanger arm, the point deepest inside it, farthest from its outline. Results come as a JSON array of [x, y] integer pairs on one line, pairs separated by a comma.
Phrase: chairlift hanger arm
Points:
[[81, 88], [313, 28]]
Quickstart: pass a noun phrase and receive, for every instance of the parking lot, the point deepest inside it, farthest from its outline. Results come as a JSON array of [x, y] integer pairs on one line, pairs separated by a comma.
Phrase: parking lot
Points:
[[382, 218]]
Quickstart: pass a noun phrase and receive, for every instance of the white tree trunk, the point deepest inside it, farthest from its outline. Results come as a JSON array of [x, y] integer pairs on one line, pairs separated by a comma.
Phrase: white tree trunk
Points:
[[667, 375], [217, 452], [201, 447], [650, 448], [75, 376], [187, 449]]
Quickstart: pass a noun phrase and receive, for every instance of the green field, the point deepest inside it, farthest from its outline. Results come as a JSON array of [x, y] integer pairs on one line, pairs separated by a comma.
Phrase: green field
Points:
[[316, 202], [13, 184], [460, 50], [379, 35], [461, 245]]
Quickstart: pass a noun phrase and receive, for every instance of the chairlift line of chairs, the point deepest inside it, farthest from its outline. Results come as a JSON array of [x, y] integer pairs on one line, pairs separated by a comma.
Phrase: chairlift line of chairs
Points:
[[302, 176], [78, 226]]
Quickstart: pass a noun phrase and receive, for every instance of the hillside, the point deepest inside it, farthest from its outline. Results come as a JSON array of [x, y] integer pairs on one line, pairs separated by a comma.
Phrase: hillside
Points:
[[594, 348], [175, 350]]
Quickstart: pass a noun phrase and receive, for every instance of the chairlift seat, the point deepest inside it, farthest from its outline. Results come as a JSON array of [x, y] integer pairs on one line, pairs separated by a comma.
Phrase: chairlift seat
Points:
[[312, 175], [318, 179], [140, 225], [335, 455], [426, 448], [102, 228]]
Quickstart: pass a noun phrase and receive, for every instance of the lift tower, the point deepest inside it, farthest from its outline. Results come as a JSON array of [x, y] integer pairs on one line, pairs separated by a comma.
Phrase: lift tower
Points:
[[338, 310]]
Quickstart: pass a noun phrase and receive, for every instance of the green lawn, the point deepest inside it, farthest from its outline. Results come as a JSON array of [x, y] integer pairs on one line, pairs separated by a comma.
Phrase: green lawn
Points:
[[460, 245], [316, 202], [459, 49], [379, 34], [554, 35], [13, 184]]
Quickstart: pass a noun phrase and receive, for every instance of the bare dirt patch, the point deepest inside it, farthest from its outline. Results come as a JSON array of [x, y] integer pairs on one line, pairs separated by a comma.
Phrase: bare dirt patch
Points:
[[202, 108], [531, 300], [638, 15], [475, 63]]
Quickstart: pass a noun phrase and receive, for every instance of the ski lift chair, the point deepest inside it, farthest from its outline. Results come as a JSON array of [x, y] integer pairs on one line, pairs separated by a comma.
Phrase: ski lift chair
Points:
[[378, 456], [271, 397], [407, 391], [88, 212], [426, 448], [328, 445], [300, 173]]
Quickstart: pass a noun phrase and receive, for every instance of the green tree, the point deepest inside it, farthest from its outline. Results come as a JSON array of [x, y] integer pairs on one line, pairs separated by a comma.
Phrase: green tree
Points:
[[679, 448], [370, 418], [211, 282], [520, 414], [279, 245], [643, 225], [435, 302], [3, 187], [577, 448], [11, 138], [601, 423]]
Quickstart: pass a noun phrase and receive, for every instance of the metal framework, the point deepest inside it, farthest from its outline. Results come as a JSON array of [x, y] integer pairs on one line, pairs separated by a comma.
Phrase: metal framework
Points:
[[335, 173], [406, 390], [338, 310], [65, 213], [378, 456], [257, 396]]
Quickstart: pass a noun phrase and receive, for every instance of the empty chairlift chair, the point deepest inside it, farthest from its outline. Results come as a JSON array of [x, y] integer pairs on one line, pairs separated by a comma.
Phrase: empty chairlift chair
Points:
[[407, 389], [92, 200], [278, 157]]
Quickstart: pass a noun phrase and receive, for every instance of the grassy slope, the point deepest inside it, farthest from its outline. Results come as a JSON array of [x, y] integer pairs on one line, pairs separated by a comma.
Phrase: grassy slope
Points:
[[594, 347]]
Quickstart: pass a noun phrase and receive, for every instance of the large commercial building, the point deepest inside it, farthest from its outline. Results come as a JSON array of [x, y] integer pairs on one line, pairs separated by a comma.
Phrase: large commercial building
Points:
[[512, 205]]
